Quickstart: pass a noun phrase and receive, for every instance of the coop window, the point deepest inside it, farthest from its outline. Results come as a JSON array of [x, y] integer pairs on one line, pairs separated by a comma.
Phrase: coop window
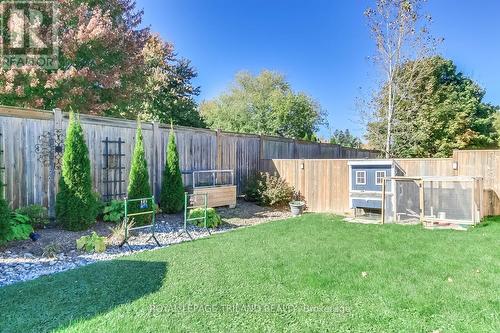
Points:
[[360, 177], [379, 177]]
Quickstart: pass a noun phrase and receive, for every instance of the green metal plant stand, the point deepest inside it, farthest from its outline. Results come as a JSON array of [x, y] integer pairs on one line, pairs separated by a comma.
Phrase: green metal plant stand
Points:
[[144, 203], [191, 202]]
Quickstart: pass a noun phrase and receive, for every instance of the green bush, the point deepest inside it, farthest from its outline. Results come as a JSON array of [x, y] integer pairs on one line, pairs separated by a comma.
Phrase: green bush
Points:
[[213, 219], [37, 214], [76, 205], [4, 220], [91, 243], [269, 190], [19, 231], [254, 188], [138, 186], [17, 218], [19, 228], [172, 189], [114, 211]]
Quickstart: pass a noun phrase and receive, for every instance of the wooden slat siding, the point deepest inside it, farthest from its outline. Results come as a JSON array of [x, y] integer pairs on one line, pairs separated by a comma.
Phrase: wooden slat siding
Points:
[[241, 154], [199, 149], [354, 153], [308, 149], [486, 164], [277, 148], [324, 183], [25, 176], [427, 166], [218, 196], [329, 150]]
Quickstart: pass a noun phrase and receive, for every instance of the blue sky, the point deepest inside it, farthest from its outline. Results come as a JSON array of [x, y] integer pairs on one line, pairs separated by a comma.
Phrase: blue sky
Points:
[[320, 45]]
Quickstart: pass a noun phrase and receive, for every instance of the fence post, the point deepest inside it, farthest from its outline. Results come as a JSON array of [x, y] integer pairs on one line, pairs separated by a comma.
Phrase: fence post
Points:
[[155, 143], [261, 152], [56, 125], [218, 140]]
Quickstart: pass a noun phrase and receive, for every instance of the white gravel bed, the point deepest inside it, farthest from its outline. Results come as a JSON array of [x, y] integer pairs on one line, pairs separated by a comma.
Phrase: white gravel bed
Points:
[[16, 267]]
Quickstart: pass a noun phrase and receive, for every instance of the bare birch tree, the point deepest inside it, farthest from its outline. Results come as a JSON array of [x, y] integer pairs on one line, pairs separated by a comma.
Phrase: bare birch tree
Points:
[[400, 31]]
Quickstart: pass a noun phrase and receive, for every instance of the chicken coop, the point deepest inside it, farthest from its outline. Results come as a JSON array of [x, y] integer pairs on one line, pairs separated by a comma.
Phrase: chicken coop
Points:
[[433, 201], [217, 184], [366, 185]]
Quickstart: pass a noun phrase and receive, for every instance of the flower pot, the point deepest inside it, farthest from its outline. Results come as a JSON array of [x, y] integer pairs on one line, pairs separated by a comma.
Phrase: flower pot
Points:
[[297, 207]]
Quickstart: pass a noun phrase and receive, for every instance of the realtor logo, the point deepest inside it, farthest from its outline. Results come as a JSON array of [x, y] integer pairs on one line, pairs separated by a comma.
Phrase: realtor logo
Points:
[[29, 34]]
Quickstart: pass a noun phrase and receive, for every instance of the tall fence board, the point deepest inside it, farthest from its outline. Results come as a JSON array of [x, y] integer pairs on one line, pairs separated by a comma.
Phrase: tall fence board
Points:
[[486, 164], [427, 166], [239, 153], [27, 178], [324, 183], [279, 148]]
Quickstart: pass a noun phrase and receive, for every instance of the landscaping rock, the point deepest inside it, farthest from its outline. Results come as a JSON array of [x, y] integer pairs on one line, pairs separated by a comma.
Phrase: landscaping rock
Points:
[[23, 260]]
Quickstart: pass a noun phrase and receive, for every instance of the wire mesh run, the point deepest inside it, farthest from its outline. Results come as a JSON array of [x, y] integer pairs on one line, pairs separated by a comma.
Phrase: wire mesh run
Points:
[[213, 178], [433, 200], [457, 201], [401, 202]]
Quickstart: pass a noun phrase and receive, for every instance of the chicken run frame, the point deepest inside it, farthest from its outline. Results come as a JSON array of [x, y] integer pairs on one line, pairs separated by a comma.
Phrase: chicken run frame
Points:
[[433, 201]]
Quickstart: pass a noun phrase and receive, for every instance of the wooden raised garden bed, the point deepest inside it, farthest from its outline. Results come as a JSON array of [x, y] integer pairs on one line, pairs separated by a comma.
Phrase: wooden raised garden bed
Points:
[[219, 186]]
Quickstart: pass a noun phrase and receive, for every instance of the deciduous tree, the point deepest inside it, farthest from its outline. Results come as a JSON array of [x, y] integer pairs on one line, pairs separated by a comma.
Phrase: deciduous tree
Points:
[[168, 92], [448, 113], [100, 61], [263, 104], [108, 65], [400, 31]]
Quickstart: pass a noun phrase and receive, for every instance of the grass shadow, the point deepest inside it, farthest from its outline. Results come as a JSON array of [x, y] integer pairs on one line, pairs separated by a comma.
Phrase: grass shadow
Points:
[[57, 300]]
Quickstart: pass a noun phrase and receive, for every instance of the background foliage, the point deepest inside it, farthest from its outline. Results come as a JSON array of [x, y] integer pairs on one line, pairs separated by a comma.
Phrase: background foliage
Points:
[[447, 112], [345, 139], [109, 64], [263, 104]]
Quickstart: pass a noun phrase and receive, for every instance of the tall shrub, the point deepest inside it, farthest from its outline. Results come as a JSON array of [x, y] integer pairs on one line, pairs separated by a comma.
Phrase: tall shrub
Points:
[[172, 189], [76, 204], [138, 186]]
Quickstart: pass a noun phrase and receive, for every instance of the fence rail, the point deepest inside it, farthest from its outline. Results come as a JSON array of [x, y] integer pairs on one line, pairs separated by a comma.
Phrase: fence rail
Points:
[[31, 170]]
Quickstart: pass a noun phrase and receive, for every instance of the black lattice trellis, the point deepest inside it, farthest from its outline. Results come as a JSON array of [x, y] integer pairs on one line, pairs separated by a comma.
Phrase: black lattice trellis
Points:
[[113, 169]]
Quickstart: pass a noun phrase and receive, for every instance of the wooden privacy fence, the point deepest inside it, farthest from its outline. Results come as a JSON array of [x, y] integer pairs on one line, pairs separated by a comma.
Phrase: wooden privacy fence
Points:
[[325, 183], [33, 142], [486, 164]]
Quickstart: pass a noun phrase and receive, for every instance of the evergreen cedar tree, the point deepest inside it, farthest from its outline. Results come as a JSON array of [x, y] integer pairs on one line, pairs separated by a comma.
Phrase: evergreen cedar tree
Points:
[[76, 203], [172, 189], [138, 186]]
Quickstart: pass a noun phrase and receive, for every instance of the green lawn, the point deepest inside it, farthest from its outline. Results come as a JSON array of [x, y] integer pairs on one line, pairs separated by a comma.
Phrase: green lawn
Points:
[[302, 274]]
